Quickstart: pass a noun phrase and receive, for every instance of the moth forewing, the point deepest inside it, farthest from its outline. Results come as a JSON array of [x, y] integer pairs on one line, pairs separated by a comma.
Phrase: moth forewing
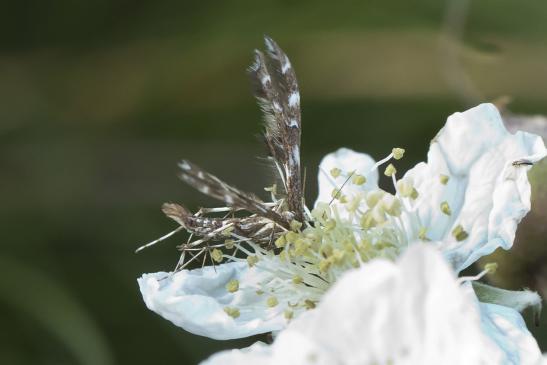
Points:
[[276, 90]]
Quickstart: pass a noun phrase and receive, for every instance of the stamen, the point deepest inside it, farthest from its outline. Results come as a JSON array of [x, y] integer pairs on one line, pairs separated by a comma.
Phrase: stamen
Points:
[[335, 172], [232, 286], [272, 302], [232, 312], [445, 208], [444, 179], [381, 162], [398, 153], [422, 234], [229, 244], [489, 268], [459, 233], [252, 260], [359, 179], [216, 255], [390, 170]]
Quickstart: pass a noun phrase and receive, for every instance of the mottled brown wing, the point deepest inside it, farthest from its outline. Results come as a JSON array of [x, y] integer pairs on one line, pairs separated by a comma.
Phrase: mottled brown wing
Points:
[[212, 186], [276, 89]]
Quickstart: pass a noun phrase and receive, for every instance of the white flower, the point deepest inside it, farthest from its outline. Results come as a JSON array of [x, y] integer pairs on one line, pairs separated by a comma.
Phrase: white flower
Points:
[[466, 200], [411, 312]]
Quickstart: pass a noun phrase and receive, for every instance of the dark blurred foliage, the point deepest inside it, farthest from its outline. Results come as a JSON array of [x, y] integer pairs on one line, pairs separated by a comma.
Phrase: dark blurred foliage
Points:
[[99, 99]]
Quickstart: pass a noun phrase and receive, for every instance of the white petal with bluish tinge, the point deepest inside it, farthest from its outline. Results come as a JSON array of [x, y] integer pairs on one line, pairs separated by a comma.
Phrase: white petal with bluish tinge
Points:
[[487, 194], [507, 328], [195, 300], [347, 161], [411, 312]]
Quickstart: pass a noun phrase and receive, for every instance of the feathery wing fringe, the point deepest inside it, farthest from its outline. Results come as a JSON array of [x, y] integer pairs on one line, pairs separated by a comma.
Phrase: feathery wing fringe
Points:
[[276, 90], [211, 185]]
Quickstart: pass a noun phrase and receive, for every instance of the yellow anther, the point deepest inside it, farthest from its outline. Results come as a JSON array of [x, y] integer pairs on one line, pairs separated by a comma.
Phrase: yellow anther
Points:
[[367, 221], [343, 199], [280, 242], [373, 197], [324, 265], [422, 234], [353, 204], [252, 260], [414, 195], [335, 172], [312, 235], [295, 225], [288, 314], [229, 244], [330, 225], [336, 193], [391, 205], [259, 292], [338, 256], [378, 214], [444, 179], [459, 233], [445, 208], [232, 286], [297, 279], [228, 231], [272, 302], [491, 267], [291, 237], [232, 312], [404, 188], [301, 246], [390, 170], [398, 153], [309, 304], [358, 179], [216, 255]]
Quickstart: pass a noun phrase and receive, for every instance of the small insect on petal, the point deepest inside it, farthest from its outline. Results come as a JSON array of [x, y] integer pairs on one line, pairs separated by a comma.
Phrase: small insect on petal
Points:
[[522, 163]]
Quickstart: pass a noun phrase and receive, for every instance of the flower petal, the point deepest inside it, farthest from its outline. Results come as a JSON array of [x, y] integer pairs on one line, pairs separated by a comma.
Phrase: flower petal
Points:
[[347, 161], [412, 312], [257, 353], [196, 300], [486, 192], [507, 328]]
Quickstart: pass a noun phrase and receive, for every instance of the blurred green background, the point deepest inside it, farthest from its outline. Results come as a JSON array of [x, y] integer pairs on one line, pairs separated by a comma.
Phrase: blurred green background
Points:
[[100, 99]]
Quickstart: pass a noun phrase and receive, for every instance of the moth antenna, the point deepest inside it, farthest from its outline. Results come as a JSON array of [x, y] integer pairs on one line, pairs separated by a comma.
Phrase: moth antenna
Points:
[[162, 238]]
